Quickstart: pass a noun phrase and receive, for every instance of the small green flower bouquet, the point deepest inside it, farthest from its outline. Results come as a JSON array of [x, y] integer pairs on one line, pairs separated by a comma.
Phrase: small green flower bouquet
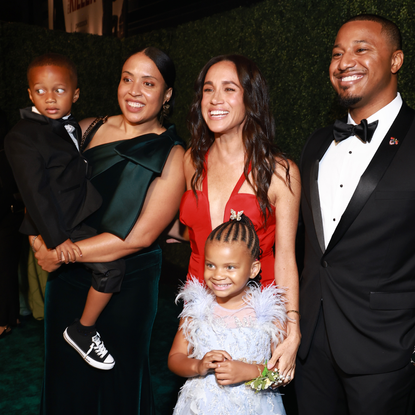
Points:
[[268, 378]]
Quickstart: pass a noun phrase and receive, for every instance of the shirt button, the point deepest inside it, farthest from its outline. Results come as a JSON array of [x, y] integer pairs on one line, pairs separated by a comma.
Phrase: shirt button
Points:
[[341, 185], [350, 152], [334, 219]]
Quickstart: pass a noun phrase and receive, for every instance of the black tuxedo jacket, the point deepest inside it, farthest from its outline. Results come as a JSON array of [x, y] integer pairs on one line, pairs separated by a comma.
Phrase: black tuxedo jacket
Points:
[[51, 176], [365, 279]]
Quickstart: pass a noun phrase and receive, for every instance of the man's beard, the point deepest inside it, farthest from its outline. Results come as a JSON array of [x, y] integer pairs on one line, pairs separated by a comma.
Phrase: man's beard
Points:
[[348, 101]]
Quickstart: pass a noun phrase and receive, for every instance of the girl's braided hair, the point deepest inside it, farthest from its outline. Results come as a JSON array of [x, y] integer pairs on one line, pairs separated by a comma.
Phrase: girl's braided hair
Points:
[[240, 229]]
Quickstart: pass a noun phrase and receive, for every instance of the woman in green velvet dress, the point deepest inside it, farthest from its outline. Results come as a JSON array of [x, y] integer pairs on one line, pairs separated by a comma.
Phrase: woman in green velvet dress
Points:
[[137, 168]]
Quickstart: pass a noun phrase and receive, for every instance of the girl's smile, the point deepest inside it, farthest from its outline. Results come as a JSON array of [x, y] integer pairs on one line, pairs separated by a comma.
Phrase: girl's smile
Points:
[[228, 268]]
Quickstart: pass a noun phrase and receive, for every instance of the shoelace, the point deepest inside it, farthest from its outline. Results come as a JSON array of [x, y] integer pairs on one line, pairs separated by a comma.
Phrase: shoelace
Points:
[[98, 345]]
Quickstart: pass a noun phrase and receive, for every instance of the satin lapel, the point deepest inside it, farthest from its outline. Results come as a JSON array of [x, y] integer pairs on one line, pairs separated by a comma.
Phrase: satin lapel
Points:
[[374, 172], [60, 130], [314, 193], [56, 125]]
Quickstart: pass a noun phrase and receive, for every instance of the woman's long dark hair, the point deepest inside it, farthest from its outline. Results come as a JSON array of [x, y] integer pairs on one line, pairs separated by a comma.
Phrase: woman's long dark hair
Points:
[[258, 132]]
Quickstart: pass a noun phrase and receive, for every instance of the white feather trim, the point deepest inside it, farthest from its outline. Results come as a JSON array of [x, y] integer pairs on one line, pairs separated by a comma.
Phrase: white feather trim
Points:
[[198, 306], [269, 307], [199, 303]]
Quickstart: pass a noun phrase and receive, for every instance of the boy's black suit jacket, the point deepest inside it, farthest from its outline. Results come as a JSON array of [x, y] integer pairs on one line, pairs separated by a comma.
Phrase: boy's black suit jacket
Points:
[[52, 177], [365, 279]]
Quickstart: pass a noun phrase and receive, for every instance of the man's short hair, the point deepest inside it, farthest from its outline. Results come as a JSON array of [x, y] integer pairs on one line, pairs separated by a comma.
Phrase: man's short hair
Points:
[[54, 59], [389, 28]]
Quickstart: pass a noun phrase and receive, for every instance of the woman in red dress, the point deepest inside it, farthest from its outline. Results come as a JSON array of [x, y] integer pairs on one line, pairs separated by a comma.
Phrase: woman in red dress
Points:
[[233, 164]]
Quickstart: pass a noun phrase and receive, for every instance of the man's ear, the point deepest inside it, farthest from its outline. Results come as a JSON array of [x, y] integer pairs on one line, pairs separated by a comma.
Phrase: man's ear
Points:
[[397, 61]]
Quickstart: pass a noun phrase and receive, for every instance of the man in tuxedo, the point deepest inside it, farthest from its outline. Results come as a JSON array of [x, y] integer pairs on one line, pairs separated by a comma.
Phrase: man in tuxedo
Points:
[[357, 289]]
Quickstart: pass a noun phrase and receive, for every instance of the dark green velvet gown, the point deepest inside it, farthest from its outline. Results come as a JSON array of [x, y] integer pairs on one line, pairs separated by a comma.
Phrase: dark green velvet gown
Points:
[[122, 172]]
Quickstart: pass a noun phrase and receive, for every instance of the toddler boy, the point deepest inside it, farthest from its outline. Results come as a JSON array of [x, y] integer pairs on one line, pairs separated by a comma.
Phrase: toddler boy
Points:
[[52, 176]]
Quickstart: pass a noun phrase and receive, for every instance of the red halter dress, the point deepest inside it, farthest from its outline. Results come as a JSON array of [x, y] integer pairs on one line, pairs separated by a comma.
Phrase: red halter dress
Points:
[[195, 214]]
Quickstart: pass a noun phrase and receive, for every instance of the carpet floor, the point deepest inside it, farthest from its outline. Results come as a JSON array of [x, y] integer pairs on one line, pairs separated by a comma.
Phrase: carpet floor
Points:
[[21, 352]]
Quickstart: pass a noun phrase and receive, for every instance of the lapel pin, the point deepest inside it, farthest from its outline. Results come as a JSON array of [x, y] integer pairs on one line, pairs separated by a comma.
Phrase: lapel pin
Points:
[[393, 141]]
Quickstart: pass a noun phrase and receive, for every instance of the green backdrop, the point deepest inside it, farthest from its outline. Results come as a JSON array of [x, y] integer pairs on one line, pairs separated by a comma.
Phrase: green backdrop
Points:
[[290, 40]]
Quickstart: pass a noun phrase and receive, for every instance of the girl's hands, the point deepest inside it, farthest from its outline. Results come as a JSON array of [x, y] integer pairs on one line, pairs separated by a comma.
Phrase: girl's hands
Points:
[[227, 371], [234, 371], [212, 360]]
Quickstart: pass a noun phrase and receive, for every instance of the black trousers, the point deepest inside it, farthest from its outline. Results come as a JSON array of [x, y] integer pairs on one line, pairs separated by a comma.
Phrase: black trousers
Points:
[[322, 388], [107, 277]]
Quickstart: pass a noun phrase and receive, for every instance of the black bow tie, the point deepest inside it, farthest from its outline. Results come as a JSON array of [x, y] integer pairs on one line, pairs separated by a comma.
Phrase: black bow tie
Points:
[[60, 122], [71, 121], [364, 131]]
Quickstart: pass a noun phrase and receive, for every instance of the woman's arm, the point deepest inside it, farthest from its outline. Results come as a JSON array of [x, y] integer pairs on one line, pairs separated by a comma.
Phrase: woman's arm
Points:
[[181, 365], [160, 207], [180, 232], [287, 202]]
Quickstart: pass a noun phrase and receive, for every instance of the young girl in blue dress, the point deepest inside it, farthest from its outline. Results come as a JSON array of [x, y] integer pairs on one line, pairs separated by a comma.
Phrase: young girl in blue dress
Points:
[[228, 328]]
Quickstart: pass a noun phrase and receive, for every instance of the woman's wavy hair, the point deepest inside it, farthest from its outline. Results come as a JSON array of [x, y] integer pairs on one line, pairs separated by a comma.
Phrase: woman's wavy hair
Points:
[[258, 132]]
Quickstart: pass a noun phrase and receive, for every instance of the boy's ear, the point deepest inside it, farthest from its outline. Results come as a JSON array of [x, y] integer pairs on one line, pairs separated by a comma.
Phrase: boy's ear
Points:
[[255, 268], [75, 95], [30, 94]]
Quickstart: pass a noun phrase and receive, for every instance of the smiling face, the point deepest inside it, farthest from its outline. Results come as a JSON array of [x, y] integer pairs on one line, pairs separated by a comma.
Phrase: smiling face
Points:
[[52, 90], [142, 90], [222, 105], [364, 66], [228, 267]]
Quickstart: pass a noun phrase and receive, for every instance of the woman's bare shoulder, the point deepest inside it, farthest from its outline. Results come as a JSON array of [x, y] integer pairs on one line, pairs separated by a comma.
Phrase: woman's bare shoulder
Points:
[[282, 165], [283, 184], [188, 157], [85, 123], [188, 167]]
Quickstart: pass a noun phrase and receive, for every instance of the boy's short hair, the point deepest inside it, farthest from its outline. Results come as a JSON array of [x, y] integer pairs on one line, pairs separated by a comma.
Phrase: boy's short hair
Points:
[[54, 59]]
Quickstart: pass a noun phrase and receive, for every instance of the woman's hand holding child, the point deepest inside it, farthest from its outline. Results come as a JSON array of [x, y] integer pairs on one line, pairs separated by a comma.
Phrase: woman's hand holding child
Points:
[[47, 258], [67, 251]]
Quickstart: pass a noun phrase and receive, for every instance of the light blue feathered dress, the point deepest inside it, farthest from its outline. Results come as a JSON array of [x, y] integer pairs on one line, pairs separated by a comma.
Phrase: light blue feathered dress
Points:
[[246, 334]]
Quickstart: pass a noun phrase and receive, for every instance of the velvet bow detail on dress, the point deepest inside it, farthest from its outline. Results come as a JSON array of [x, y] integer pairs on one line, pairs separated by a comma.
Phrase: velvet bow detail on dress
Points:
[[150, 150], [137, 160]]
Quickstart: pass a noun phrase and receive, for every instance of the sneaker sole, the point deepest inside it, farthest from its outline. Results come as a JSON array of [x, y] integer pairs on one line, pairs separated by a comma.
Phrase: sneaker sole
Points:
[[91, 362]]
